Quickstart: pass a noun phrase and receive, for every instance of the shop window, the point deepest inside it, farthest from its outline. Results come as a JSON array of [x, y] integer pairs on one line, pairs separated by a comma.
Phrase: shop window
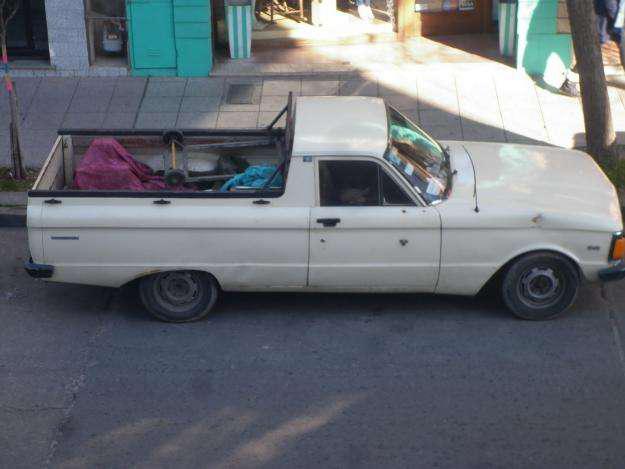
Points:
[[27, 33], [107, 35]]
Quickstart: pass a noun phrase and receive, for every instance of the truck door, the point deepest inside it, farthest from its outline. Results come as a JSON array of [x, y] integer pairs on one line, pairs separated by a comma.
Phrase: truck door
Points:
[[367, 233]]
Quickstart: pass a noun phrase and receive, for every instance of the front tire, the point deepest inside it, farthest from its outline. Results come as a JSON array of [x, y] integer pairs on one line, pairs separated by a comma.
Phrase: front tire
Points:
[[540, 286], [179, 296]]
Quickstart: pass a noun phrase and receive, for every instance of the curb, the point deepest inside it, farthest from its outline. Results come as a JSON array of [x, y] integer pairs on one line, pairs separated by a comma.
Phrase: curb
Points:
[[13, 209], [13, 198], [12, 220]]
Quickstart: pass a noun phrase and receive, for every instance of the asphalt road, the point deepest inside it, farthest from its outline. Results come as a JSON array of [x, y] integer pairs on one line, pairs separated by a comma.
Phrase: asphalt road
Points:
[[88, 379]]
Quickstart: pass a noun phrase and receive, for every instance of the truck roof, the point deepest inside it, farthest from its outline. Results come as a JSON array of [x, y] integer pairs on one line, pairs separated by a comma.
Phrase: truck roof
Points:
[[336, 126]]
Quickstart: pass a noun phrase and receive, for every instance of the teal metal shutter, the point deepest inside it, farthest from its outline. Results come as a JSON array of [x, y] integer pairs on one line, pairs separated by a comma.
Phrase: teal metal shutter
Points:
[[152, 34]]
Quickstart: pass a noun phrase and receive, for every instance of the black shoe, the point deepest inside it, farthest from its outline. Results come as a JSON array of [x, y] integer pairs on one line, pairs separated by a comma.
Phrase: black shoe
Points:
[[569, 88]]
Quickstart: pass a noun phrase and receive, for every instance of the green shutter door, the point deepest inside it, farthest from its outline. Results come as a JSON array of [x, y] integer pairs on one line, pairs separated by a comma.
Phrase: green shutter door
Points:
[[192, 23], [152, 34]]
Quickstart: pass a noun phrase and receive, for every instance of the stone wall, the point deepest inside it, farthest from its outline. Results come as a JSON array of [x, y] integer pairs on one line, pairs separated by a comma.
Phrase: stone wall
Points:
[[66, 35], [67, 41]]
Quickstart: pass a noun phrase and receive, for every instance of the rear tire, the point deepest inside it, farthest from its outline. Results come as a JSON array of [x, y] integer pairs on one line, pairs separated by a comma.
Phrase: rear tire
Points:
[[540, 286], [180, 295]]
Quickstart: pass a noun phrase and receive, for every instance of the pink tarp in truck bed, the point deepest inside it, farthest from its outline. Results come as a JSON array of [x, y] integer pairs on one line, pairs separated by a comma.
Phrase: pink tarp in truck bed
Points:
[[109, 166]]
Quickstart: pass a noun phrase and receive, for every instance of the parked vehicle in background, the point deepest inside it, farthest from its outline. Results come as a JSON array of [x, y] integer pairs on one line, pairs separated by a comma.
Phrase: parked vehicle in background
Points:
[[350, 196]]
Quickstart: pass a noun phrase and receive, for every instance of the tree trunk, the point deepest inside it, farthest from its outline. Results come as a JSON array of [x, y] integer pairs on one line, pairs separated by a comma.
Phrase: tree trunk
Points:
[[16, 142], [600, 135]]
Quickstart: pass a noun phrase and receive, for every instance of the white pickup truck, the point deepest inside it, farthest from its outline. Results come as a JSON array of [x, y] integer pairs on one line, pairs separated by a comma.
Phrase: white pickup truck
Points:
[[361, 200]]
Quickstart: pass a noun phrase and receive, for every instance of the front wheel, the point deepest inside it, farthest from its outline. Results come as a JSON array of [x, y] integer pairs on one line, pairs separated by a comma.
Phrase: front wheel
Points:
[[540, 286], [179, 296]]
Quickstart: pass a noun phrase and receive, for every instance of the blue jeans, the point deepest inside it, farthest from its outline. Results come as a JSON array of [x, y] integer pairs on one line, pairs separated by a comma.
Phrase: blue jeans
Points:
[[606, 11]]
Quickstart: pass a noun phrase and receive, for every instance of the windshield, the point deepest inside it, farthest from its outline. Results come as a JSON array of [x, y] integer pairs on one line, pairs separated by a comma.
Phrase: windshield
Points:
[[418, 157]]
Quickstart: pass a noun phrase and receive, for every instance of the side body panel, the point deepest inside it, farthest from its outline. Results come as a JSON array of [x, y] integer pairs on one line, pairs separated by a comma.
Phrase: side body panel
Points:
[[476, 244], [375, 249], [110, 241], [472, 254]]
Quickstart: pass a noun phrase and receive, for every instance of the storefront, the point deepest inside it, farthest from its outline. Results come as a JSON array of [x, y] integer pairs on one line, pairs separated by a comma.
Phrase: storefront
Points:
[[27, 34], [444, 17], [183, 37]]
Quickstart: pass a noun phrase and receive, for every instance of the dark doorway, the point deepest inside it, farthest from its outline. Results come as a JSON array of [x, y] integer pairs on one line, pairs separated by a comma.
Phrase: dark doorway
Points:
[[27, 35]]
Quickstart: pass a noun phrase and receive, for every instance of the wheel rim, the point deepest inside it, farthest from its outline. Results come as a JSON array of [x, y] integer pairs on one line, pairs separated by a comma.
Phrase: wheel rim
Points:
[[178, 291], [540, 287]]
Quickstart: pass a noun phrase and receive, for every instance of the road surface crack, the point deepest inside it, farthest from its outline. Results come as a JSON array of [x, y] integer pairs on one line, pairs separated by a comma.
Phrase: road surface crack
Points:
[[75, 384]]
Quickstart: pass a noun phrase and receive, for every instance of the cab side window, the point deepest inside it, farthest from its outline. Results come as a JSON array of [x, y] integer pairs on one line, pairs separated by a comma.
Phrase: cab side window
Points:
[[392, 194], [357, 183]]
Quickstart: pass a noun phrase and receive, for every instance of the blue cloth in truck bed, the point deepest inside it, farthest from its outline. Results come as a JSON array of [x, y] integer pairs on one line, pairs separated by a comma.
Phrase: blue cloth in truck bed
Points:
[[254, 176]]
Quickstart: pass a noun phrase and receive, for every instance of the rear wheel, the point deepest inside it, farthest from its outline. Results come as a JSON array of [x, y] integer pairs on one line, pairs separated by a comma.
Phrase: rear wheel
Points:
[[540, 286], [179, 296]]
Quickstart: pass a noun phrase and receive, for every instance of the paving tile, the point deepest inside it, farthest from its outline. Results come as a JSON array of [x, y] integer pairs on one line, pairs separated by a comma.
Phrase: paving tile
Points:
[[156, 120], [43, 120], [436, 117], [205, 87], [166, 87], [265, 118], [119, 120], [160, 104], [86, 104], [124, 104], [389, 86], [26, 89], [197, 120], [437, 93], [442, 99], [26, 85], [524, 123], [413, 115], [5, 150], [566, 136], [534, 138], [482, 132], [43, 105], [83, 120], [402, 102], [258, 81], [273, 103], [237, 120], [56, 87], [358, 88], [200, 104], [281, 87], [487, 116], [130, 86], [567, 139], [320, 87], [37, 145], [95, 87], [239, 107], [444, 132]]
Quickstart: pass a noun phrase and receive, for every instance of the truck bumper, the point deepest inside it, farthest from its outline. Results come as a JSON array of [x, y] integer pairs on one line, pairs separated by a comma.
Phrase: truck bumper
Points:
[[38, 270], [616, 272]]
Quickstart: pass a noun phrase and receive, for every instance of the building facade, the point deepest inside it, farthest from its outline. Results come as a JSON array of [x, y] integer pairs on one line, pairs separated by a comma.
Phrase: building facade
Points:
[[181, 37]]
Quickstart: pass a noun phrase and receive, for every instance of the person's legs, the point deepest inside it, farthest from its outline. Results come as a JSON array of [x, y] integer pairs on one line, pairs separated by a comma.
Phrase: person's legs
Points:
[[602, 20], [621, 47], [611, 9]]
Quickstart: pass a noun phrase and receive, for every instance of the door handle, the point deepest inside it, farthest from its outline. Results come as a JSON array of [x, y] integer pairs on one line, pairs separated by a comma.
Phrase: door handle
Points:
[[162, 202], [329, 221], [261, 202], [53, 201]]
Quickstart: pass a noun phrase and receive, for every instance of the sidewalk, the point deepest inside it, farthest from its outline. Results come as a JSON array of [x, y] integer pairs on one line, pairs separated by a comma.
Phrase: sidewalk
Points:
[[452, 101]]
